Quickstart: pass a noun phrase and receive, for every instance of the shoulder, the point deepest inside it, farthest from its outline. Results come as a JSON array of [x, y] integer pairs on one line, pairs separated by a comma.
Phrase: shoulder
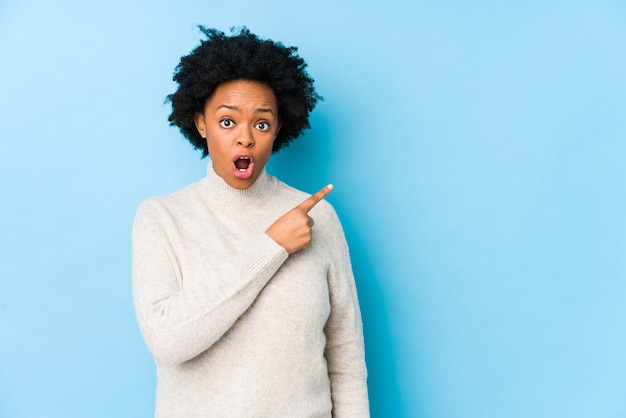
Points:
[[288, 192], [174, 203]]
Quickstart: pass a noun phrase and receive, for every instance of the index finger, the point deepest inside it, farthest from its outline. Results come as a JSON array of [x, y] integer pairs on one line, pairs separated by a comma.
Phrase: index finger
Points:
[[315, 198]]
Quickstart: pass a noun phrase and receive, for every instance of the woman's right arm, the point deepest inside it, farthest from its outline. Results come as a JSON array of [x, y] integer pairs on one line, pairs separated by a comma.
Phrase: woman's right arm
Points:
[[180, 317]]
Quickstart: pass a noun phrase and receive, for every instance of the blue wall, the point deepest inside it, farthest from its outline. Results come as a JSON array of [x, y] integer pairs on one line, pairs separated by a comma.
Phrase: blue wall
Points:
[[478, 154]]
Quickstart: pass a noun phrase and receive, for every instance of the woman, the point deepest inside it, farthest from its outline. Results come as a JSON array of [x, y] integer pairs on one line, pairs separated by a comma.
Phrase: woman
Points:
[[242, 285]]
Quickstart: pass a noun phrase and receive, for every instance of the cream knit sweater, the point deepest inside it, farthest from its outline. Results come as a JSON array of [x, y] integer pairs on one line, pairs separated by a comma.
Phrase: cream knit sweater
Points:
[[237, 327]]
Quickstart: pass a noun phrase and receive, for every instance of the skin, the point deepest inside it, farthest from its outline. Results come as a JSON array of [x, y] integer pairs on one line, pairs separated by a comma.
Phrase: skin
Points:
[[241, 118], [293, 229]]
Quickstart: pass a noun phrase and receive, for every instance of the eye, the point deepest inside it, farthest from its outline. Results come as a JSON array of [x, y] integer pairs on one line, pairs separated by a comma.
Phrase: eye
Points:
[[263, 126], [227, 123]]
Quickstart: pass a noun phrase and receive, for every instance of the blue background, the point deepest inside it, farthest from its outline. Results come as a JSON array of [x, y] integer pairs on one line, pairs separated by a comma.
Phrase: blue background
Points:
[[478, 151]]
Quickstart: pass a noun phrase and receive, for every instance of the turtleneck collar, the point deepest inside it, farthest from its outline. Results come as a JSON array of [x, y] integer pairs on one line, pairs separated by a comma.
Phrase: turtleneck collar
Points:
[[223, 194]]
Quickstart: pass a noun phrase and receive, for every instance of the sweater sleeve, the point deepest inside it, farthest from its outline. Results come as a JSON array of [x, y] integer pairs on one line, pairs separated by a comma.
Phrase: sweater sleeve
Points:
[[345, 353], [180, 317]]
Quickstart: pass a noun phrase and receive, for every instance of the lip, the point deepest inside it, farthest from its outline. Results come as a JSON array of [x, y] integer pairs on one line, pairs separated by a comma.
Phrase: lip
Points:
[[243, 155], [243, 175]]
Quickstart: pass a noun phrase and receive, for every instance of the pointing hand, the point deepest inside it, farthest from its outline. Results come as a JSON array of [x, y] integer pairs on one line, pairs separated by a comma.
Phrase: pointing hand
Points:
[[293, 230]]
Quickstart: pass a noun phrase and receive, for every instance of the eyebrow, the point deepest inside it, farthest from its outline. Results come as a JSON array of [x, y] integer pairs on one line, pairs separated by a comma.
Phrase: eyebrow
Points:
[[235, 108]]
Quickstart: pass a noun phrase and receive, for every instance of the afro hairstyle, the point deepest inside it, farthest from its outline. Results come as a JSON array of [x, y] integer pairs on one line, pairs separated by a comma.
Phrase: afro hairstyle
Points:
[[242, 56]]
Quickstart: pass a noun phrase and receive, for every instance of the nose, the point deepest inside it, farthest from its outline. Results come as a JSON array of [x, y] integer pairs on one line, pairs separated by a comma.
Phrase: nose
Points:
[[245, 139]]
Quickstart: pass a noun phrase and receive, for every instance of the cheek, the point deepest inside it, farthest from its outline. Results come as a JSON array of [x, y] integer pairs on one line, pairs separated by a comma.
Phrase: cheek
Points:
[[266, 152], [270, 146], [213, 145], [215, 138]]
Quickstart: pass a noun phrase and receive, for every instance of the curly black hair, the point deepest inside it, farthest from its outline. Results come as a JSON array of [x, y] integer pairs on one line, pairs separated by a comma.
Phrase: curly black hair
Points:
[[242, 56]]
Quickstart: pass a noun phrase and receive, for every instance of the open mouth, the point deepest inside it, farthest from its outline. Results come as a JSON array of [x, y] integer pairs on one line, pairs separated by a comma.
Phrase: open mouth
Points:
[[242, 163], [243, 166]]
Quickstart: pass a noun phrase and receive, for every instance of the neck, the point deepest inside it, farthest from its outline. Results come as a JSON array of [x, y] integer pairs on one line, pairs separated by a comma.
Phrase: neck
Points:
[[236, 199]]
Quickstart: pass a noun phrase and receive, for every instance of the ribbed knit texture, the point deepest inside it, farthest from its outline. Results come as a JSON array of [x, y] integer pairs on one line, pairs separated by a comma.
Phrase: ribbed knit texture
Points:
[[237, 327]]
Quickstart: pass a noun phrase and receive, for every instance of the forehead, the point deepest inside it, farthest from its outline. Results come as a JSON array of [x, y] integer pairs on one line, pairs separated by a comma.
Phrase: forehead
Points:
[[243, 93]]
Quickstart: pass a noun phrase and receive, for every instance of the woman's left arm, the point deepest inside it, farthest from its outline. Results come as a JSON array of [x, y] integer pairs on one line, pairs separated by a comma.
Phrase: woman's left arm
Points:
[[345, 352]]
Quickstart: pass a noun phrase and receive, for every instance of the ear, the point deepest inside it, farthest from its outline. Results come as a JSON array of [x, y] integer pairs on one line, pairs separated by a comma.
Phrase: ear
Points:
[[198, 119]]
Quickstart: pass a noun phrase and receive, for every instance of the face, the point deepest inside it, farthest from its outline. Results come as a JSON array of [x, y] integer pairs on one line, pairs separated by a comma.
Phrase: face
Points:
[[239, 123]]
